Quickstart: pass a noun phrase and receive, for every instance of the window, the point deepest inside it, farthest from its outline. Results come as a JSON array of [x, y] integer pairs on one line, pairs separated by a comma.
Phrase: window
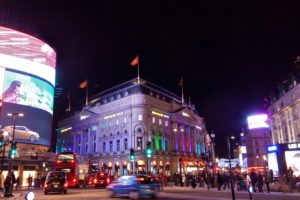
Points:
[[94, 143], [117, 122], [111, 146], [104, 147], [139, 143], [125, 144], [110, 123], [159, 121], [103, 125], [125, 120], [118, 145], [153, 119], [86, 146], [166, 123], [140, 117]]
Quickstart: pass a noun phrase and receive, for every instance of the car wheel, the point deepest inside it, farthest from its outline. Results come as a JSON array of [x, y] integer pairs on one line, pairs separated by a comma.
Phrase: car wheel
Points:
[[111, 193], [134, 195], [32, 138]]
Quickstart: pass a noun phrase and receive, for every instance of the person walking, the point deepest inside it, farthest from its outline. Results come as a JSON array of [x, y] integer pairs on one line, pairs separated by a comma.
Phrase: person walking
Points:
[[253, 178], [260, 182], [18, 183], [267, 181], [29, 181], [219, 180]]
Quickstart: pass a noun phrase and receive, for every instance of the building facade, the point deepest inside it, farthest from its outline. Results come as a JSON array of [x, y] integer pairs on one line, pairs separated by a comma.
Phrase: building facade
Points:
[[284, 114], [257, 141], [128, 116]]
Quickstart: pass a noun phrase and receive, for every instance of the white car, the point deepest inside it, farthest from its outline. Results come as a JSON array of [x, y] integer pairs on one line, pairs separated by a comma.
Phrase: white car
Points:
[[21, 132]]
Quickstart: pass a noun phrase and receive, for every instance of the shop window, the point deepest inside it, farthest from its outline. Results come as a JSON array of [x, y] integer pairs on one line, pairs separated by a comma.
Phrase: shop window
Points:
[[166, 123], [159, 121], [153, 120]]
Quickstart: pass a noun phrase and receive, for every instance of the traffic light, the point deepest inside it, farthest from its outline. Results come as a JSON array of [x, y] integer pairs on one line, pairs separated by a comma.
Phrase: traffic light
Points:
[[1, 140], [13, 149], [132, 156], [149, 149]]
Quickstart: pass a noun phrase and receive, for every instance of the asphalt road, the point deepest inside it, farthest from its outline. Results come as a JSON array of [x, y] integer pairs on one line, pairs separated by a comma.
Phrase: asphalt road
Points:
[[170, 193]]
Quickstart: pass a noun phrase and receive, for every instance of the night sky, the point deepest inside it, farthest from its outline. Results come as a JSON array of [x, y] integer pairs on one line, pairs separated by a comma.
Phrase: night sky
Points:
[[231, 56]]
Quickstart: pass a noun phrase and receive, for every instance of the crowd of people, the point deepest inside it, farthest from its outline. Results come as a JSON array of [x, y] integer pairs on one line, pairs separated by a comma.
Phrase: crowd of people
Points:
[[259, 181]]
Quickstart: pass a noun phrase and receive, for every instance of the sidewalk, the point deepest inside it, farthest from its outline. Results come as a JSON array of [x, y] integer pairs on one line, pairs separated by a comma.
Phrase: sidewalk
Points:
[[177, 189]]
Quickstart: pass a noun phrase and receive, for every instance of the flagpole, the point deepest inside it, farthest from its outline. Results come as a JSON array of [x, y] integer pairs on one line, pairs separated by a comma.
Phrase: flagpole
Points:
[[86, 95], [138, 70]]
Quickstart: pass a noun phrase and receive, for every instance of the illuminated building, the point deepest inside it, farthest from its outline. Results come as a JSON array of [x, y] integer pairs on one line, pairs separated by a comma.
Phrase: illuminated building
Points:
[[284, 112], [257, 138], [27, 77], [127, 116]]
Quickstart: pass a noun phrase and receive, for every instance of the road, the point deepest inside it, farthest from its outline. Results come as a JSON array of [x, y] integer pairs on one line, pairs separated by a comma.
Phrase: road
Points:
[[169, 193]]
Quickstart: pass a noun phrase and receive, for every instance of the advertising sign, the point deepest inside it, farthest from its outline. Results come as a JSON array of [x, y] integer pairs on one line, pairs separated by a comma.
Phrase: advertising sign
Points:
[[258, 121], [293, 160], [273, 163], [29, 91]]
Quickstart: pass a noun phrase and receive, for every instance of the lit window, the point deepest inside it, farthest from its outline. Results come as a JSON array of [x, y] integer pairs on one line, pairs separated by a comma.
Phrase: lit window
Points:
[[153, 119], [103, 125], [159, 121], [125, 120], [110, 123], [104, 147], [117, 122], [167, 123], [140, 117]]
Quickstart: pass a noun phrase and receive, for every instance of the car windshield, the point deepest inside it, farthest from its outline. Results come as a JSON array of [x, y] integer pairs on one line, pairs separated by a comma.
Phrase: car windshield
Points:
[[56, 176]]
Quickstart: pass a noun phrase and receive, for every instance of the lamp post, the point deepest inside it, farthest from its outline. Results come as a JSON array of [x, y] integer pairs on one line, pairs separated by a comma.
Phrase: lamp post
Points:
[[212, 135], [230, 174], [14, 115]]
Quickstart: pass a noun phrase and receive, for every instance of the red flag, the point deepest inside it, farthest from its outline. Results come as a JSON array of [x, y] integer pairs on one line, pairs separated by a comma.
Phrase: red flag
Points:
[[181, 82], [84, 84], [135, 61]]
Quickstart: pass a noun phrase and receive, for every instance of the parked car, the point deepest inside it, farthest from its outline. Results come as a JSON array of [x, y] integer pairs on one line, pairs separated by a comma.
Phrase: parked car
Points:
[[134, 186], [101, 180], [21, 132], [56, 181]]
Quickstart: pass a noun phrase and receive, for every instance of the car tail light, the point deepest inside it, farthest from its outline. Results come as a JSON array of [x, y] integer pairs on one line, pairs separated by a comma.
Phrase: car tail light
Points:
[[95, 180], [45, 185], [74, 180], [58, 161], [72, 161], [66, 184], [108, 180]]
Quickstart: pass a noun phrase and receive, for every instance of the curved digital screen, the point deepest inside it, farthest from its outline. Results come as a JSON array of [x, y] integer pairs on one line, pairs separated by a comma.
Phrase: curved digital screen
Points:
[[27, 80], [28, 91]]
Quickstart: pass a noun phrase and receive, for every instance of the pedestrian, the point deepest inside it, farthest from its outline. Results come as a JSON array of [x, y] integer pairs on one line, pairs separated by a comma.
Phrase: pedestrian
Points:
[[81, 179], [260, 182], [1, 180], [29, 181], [18, 183], [267, 181], [271, 174], [8, 185], [219, 180], [253, 178], [13, 180]]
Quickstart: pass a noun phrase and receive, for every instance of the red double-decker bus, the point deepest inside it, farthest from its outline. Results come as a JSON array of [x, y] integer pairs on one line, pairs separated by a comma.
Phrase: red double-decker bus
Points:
[[67, 162]]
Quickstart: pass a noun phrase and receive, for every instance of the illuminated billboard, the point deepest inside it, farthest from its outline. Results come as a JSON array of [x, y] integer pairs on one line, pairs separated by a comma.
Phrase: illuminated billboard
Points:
[[27, 80], [28, 91], [258, 121], [273, 163], [293, 160]]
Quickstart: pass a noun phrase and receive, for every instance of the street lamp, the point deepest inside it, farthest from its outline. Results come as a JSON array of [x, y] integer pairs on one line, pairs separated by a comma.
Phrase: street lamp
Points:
[[230, 174], [212, 135]]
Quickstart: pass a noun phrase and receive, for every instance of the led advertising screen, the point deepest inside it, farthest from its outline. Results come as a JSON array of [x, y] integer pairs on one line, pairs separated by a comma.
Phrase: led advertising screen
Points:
[[29, 91], [27, 80], [258, 121], [273, 163], [293, 160]]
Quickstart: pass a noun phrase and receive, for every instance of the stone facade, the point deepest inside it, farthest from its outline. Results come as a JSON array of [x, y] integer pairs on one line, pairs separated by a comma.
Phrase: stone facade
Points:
[[127, 116]]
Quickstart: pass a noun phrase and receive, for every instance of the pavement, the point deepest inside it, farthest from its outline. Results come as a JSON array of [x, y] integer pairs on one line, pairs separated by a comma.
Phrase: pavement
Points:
[[168, 193]]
